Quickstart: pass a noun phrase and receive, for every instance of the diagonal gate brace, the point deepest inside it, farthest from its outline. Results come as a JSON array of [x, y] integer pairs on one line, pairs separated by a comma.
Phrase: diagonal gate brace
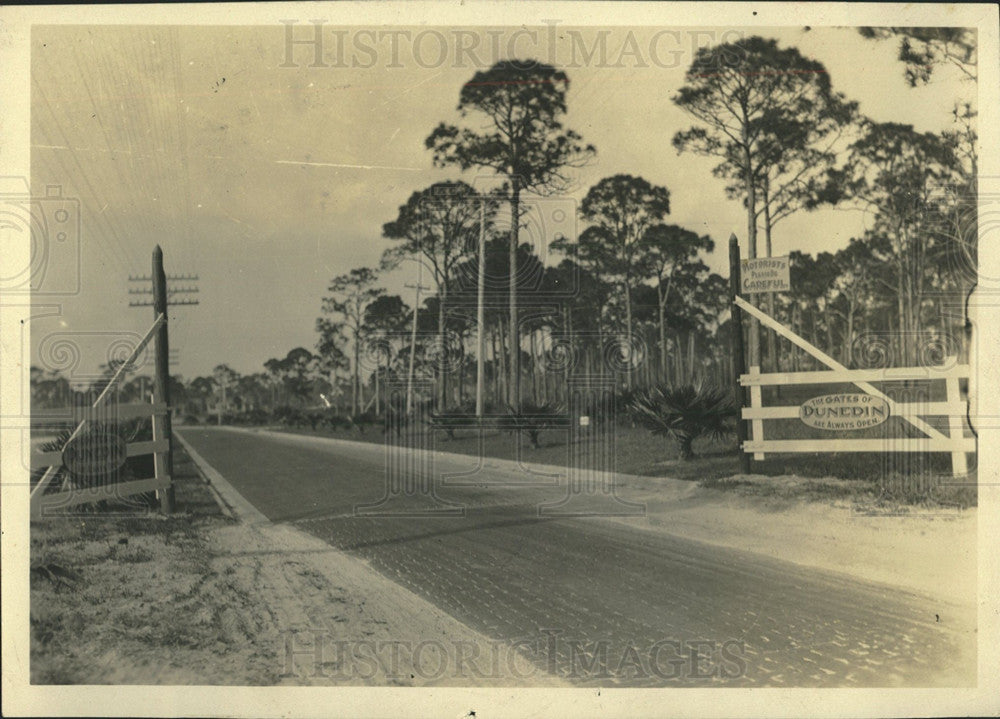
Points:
[[830, 362]]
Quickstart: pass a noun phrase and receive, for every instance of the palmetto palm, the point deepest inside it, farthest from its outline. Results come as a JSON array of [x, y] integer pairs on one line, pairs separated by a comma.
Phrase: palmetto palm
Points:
[[684, 413]]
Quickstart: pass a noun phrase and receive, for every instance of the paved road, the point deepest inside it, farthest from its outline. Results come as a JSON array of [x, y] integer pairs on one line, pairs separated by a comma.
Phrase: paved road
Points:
[[593, 600]]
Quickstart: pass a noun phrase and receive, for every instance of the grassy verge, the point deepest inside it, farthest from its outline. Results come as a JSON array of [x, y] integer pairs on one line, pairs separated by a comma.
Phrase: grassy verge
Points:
[[137, 599], [893, 479]]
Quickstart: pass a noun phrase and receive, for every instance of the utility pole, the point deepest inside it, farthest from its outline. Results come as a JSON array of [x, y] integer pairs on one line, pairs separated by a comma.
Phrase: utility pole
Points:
[[739, 361], [480, 311], [161, 382], [413, 337], [161, 378]]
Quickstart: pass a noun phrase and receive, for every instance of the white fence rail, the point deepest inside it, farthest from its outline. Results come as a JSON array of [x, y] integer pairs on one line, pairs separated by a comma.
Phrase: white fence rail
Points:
[[47, 503], [41, 502], [954, 408]]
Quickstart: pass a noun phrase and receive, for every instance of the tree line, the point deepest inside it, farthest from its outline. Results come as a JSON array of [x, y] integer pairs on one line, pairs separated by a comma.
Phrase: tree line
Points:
[[630, 296]]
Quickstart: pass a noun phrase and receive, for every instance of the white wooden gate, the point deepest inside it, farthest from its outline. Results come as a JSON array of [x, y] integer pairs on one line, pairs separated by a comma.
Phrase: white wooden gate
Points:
[[954, 408], [158, 447]]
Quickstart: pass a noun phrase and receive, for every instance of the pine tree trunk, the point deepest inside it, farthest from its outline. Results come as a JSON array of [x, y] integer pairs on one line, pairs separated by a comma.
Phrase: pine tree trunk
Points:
[[663, 333], [442, 358], [514, 387], [628, 332], [772, 347], [797, 325], [356, 386], [751, 191], [503, 361], [461, 374], [678, 361], [904, 354], [496, 366], [568, 330], [534, 372], [691, 364], [600, 350], [849, 339]]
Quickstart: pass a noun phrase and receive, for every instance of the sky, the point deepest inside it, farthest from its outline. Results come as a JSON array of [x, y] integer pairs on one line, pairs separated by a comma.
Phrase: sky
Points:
[[267, 177]]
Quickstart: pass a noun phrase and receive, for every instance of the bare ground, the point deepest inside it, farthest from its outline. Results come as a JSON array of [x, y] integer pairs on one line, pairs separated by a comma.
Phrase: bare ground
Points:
[[928, 550], [199, 598]]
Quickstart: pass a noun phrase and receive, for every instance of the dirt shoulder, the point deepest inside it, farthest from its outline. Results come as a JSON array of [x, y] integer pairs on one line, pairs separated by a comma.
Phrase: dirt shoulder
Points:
[[201, 598], [930, 551]]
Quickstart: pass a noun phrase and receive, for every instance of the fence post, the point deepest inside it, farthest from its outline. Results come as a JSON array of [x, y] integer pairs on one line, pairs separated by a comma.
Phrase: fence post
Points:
[[739, 362], [956, 429], [757, 425], [162, 379]]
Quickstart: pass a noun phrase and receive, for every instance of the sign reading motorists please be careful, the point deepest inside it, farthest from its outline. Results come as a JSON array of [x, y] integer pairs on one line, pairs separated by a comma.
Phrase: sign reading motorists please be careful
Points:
[[765, 274]]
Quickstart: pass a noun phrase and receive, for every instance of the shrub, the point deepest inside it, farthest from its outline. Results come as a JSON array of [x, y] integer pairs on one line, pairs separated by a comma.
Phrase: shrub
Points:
[[313, 418], [531, 419], [395, 421], [284, 415], [455, 418], [340, 422], [684, 413], [255, 416], [621, 399], [396, 416], [365, 419], [290, 417]]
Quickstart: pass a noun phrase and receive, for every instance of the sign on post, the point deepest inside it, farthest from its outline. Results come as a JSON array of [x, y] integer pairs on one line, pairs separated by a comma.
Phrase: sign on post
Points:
[[764, 274], [842, 412]]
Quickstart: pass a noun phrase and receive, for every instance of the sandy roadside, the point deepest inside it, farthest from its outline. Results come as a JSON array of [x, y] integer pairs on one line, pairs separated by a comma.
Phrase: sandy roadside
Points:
[[336, 620], [199, 598], [930, 552]]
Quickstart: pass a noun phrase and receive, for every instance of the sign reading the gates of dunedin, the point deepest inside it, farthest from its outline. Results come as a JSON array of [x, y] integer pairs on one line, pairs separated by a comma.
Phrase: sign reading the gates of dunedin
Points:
[[97, 453], [841, 412], [765, 274]]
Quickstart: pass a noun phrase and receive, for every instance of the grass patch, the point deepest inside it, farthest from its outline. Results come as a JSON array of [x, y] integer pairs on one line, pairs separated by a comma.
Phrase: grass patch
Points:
[[900, 478], [793, 487], [138, 599], [893, 494]]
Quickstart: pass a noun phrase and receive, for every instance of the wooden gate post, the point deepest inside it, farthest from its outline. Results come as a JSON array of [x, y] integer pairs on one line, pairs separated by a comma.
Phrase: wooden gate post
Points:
[[739, 361], [956, 423], [162, 377], [756, 402], [160, 458]]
